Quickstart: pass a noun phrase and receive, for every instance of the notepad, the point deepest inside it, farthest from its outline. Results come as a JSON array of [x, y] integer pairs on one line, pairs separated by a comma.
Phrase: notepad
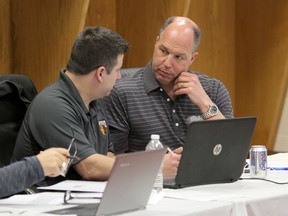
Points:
[[77, 185], [278, 161]]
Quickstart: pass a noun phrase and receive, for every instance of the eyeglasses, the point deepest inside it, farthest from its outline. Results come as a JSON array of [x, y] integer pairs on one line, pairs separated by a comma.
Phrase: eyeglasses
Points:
[[78, 198], [72, 150]]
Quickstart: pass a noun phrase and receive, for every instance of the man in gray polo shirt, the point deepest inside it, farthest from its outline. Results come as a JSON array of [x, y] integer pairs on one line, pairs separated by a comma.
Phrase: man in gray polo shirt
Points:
[[72, 108], [164, 97]]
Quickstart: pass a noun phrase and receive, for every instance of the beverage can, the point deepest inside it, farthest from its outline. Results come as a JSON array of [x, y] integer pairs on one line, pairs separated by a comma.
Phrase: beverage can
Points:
[[258, 161]]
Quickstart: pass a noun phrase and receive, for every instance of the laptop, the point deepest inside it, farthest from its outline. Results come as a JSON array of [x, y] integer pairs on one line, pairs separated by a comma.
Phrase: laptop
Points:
[[215, 151], [129, 186], [131, 182]]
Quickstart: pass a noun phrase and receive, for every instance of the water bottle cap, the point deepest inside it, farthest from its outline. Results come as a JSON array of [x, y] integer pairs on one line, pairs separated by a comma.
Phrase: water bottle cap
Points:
[[155, 136]]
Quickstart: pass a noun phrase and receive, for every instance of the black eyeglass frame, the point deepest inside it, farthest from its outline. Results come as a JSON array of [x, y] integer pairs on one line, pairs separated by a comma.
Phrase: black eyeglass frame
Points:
[[74, 154]]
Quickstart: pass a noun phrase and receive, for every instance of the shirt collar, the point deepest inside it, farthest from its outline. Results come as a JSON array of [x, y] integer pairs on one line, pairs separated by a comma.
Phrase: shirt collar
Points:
[[69, 85], [94, 105], [150, 82]]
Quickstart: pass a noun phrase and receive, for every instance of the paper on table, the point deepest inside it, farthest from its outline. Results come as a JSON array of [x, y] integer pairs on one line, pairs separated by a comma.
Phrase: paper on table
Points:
[[75, 185], [32, 204], [45, 198], [197, 195], [278, 161], [24, 211]]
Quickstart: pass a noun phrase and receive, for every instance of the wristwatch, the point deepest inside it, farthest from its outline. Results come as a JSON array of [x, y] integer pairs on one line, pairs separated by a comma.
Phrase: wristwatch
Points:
[[212, 111]]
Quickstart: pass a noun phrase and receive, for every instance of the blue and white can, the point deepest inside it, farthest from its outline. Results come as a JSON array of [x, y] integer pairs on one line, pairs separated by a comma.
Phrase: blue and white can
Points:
[[258, 161]]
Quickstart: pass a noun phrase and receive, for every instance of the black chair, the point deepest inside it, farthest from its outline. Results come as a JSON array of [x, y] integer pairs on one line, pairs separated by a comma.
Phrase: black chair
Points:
[[16, 93]]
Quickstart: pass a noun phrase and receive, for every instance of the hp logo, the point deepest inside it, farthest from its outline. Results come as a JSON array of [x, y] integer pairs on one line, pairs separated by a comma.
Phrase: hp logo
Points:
[[217, 149]]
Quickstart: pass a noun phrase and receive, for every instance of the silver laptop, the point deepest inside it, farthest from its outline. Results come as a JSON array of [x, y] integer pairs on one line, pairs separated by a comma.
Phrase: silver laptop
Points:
[[129, 185], [131, 182], [215, 151]]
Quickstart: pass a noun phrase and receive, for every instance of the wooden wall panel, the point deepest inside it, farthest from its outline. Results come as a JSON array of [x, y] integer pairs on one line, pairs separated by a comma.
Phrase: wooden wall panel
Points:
[[244, 43], [5, 37], [102, 13], [43, 33], [217, 48], [261, 63], [139, 22]]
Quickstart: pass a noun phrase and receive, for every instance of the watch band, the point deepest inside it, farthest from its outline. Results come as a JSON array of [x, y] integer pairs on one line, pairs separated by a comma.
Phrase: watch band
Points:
[[212, 111]]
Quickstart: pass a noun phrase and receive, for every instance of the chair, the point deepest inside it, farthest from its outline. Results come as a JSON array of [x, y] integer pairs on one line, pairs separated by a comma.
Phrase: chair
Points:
[[16, 93]]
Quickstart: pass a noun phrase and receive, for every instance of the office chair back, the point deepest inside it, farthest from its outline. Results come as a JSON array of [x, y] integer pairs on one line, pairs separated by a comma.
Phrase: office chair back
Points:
[[16, 93]]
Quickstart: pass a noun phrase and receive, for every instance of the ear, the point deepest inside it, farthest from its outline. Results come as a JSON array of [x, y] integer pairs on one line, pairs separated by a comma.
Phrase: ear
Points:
[[99, 73], [194, 56]]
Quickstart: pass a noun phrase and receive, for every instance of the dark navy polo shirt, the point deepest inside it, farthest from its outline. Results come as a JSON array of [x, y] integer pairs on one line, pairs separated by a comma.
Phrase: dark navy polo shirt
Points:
[[55, 116]]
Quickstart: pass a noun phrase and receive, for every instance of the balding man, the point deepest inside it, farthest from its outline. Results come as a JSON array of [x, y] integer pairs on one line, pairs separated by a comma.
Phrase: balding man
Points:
[[165, 96]]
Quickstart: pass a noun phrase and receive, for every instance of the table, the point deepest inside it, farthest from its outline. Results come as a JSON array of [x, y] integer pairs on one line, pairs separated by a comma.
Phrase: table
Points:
[[241, 198], [246, 197]]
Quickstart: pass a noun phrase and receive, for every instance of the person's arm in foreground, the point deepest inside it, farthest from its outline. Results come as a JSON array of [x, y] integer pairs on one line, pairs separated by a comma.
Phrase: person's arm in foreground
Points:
[[22, 174]]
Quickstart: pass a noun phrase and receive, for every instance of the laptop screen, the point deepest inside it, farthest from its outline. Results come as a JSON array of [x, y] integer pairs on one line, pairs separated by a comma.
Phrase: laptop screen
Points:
[[215, 151]]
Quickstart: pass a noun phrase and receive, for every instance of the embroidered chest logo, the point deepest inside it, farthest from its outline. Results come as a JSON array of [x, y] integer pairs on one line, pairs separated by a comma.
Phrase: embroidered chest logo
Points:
[[191, 119], [103, 127]]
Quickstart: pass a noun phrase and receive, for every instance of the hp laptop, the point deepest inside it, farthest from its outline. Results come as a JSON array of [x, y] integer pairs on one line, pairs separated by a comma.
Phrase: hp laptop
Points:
[[215, 151], [129, 186]]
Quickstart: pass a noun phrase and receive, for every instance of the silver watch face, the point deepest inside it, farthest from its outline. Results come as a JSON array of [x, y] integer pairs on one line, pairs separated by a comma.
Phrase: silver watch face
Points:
[[213, 109]]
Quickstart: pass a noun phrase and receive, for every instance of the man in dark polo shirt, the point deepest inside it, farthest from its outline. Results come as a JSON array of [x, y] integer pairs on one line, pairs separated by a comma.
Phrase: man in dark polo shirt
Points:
[[164, 97], [72, 108]]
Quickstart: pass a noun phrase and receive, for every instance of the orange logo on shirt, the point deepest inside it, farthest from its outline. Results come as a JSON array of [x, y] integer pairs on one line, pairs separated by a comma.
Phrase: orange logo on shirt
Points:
[[103, 127]]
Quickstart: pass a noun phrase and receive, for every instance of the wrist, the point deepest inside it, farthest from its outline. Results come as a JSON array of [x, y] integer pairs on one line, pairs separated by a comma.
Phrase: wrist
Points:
[[211, 112]]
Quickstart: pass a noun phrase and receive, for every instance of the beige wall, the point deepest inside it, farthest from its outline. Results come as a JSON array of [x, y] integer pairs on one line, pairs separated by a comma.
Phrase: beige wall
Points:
[[244, 44], [281, 143]]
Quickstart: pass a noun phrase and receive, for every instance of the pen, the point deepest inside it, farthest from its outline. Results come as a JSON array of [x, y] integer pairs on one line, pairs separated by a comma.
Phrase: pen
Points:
[[170, 151], [279, 168], [72, 157]]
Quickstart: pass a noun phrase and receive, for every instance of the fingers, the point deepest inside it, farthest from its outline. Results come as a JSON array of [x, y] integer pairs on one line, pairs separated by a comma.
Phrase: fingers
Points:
[[61, 151], [52, 161], [189, 84], [171, 163], [178, 150], [185, 81]]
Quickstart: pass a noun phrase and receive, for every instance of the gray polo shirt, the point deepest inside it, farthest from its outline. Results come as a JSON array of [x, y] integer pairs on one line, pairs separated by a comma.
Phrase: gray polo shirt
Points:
[[137, 107], [55, 115]]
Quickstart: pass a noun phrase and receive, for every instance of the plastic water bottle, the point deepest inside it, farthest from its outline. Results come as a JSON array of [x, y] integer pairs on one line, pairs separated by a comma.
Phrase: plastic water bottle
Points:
[[155, 144]]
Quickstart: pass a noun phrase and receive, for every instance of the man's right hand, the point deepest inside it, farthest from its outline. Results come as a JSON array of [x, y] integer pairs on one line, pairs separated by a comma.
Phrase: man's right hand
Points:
[[171, 163]]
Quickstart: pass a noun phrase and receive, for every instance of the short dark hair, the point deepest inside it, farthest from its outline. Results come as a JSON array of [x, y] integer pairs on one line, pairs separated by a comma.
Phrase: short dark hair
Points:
[[196, 29], [94, 47]]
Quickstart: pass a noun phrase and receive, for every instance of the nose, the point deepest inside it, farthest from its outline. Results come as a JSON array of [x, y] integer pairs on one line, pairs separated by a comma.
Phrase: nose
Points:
[[168, 61]]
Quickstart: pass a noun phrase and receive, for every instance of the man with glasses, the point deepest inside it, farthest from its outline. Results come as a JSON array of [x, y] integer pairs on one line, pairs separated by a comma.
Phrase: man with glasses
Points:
[[165, 96], [72, 109]]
